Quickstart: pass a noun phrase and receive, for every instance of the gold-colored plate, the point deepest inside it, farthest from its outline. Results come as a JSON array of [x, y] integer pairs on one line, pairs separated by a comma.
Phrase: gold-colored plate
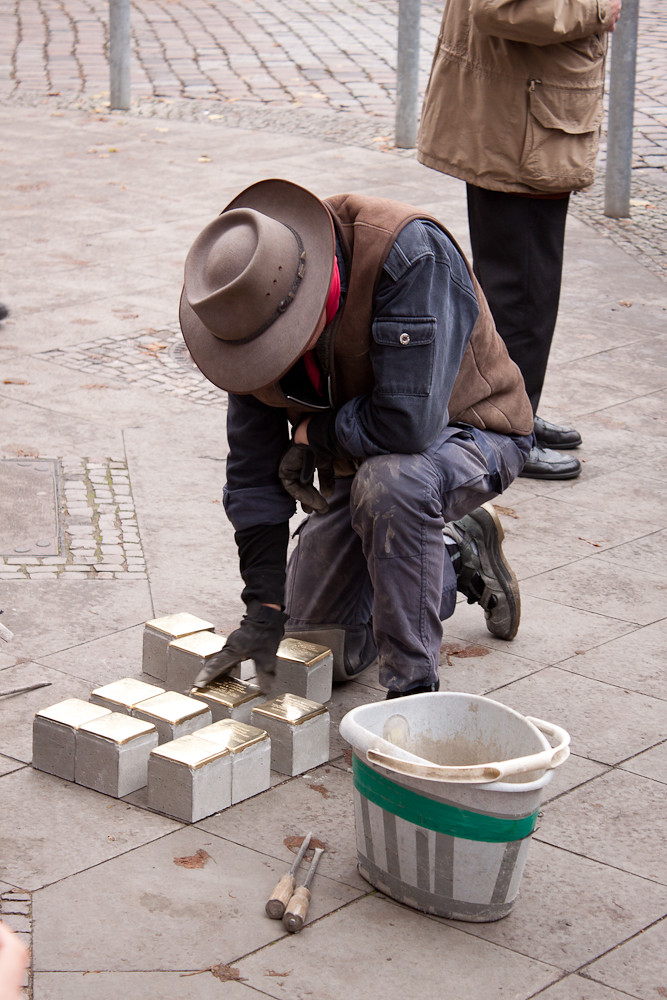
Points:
[[171, 707], [234, 735], [228, 691], [199, 643], [118, 728], [191, 751], [128, 691], [291, 708], [74, 712], [180, 624], [298, 651]]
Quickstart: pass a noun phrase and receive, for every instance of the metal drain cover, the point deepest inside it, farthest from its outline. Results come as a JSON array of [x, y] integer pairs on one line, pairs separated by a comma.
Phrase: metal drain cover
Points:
[[179, 353], [29, 522]]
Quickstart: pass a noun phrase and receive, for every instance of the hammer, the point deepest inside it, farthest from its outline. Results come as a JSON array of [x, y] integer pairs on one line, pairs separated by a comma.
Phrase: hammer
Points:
[[281, 895], [297, 908]]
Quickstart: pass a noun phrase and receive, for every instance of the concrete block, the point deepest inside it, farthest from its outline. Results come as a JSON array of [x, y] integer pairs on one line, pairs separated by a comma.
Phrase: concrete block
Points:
[[123, 695], [299, 732], [305, 669], [250, 750], [54, 732], [112, 754], [229, 698], [187, 656], [159, 632], [189, 778], [173, 715]]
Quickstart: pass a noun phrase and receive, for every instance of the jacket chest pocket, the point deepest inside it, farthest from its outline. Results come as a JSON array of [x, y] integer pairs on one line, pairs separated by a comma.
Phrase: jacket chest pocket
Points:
[[562, 134], [402, 355]]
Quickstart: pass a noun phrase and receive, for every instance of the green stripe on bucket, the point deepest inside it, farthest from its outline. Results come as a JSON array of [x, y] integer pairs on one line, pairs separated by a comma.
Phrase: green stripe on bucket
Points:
[[438, 816]]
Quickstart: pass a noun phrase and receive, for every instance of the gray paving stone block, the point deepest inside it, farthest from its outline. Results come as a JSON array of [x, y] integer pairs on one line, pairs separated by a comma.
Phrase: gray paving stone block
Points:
[[190, 778], [299, 731], [54, 734], [305, 669], [173, 714], [250, 749], [188, 655], [229, 698], [124, 695], [112, 754], [159, 632]]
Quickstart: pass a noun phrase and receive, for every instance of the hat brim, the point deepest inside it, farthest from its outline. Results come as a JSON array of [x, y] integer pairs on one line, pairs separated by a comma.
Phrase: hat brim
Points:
[[253, 365]]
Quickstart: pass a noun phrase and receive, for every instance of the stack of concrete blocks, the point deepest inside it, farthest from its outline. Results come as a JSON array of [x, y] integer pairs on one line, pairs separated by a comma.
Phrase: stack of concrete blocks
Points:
[[250, 750], [112, 754], [54, 734], [190, 778], [304, 669], [173, 715], [159, 632], [124, 695], [229, 698], [299, 732]]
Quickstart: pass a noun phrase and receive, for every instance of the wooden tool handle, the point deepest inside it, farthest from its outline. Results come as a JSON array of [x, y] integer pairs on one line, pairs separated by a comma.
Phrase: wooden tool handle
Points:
[[295, 914], [280, 897]]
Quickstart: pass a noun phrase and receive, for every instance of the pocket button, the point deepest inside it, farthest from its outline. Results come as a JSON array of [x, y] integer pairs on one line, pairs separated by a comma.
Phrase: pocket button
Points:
[[404, 338]]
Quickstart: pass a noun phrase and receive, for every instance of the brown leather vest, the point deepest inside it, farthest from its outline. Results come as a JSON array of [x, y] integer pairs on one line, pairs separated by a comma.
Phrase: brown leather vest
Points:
[[488, 391]]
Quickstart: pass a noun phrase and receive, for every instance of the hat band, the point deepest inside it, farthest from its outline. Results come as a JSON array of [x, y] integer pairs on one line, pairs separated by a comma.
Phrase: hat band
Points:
[[289, 298]]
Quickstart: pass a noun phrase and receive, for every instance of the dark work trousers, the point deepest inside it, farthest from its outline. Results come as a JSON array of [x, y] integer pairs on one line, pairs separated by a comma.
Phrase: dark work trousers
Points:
[[376, 568], [517, 252]]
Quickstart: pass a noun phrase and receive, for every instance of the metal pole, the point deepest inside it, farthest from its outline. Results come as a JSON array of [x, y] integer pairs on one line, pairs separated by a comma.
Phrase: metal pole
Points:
[[621, 111], [119, 54], [407, 73]]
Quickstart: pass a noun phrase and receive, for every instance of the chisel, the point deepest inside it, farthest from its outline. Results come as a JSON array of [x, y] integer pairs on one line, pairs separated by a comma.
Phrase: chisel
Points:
[[281, 895], [297, 908]]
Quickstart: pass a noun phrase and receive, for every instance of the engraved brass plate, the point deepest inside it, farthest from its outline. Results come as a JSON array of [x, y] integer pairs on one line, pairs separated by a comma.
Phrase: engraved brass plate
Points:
[[200, 643], [298, 651], [191, 751], [234, 735], [118, 728], [180, 624], [128, 692], [29, 508], [291, 708], [73, 713], [228, 691], [171, 707]]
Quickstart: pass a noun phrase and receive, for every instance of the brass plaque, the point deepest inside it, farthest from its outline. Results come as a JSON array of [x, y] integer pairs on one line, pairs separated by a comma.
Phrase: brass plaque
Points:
[[118, 728], [228, 691], [171, 707], [299, 651], [29, 508], [73, 713], [128, 691], [233, 735], [290, 708], [200, 643], [191, 751], [180, 624]]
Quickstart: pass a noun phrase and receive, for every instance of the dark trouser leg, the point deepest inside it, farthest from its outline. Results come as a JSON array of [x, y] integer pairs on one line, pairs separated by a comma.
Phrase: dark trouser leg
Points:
[[517, 248]]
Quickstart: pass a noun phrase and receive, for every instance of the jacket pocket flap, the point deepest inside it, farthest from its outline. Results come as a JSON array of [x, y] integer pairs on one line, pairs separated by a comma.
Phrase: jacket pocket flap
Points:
[[396, 331], [573, 111]]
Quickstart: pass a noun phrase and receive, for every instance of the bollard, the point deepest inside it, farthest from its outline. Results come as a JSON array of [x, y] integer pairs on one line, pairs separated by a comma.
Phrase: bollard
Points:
[[119, 54], [407, 73], [621, 111]]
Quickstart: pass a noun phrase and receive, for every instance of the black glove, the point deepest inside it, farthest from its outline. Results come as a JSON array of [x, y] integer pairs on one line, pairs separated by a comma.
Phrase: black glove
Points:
[[297, 474], [257, 638]]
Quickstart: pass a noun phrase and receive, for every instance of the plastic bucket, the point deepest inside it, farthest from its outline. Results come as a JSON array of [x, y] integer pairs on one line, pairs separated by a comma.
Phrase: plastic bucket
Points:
[[448, 788]]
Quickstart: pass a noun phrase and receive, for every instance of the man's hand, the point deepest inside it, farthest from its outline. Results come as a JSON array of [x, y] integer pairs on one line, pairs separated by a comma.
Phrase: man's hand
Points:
[[257, 638], [614, 13], [297, 473]]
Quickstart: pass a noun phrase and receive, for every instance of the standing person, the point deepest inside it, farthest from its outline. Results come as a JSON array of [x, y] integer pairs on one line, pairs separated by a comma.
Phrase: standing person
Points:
[[513, 107], [356, 322]]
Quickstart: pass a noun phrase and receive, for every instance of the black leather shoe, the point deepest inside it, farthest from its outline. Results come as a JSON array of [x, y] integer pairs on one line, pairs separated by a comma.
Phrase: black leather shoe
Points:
[[544, 463], [554, 436]]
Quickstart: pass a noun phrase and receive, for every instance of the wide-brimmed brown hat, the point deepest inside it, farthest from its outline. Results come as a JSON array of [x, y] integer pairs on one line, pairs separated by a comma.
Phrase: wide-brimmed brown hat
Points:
[[256, 282]]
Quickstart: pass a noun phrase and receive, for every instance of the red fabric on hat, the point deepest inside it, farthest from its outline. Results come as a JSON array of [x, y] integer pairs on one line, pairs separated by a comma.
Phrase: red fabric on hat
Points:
[[333, 299]]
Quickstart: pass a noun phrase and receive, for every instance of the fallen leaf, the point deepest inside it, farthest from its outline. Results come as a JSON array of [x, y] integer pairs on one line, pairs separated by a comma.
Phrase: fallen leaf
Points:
[[15, 381], [624, 302], [153, 348], [454, 649], [227, 973], [95, 385], [197, 860], [324, 792], [204, 159], [294, 843], [590, 542], [278, 975], [509, 511]]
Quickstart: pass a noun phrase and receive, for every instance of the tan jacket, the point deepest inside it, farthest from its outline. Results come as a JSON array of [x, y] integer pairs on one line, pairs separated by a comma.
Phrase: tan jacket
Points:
[[514, 100]]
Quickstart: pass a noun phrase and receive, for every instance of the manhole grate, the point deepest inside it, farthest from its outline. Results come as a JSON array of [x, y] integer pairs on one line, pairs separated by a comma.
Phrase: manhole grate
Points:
[[29, 508]]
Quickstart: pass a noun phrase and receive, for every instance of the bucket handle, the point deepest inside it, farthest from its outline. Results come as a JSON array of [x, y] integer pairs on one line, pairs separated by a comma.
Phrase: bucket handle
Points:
[[480, 773]]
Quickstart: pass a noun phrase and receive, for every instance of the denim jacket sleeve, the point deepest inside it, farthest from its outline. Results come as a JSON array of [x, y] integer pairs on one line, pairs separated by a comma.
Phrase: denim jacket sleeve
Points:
[[424, 312]]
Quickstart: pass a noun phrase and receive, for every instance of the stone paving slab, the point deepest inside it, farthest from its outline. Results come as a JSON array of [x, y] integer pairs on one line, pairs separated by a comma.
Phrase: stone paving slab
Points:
[[636, 966], [97, 984]]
